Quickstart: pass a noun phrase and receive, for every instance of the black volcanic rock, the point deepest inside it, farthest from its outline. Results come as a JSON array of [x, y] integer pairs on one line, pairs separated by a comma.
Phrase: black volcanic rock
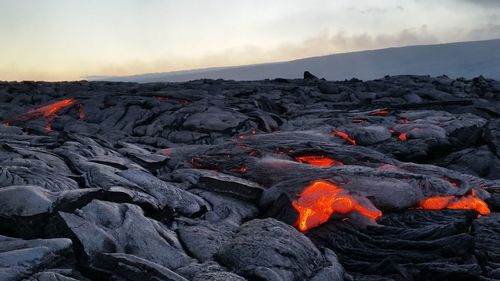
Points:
[[485, 229], [203, 180], [25, 209], [167, 194], [34, 259], [104, 227], [203, 239], [271, 250], [129, 267], [415, 245], [309, 75]]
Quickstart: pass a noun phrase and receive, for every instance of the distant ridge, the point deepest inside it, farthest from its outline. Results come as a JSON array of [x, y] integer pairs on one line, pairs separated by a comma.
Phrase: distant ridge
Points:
[[462, 59]]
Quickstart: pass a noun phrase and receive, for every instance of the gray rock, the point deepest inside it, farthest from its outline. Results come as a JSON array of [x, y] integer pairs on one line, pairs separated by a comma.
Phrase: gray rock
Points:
[[129, 267], [104, 227], [167, 194], [202, 239], [23, 259], [271, 250]]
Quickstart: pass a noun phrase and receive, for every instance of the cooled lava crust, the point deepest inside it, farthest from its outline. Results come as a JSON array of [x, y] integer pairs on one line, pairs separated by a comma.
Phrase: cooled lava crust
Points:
[[305, 179]]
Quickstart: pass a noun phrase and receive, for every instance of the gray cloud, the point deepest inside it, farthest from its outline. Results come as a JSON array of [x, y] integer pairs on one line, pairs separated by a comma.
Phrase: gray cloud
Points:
[[326, 43], [323, 43], [488, 32], [382, 10], [484, 3]]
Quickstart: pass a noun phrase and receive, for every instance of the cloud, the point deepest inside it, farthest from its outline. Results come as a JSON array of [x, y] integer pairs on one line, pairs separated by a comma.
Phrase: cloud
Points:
[[490, 31], [377, 10], [323, 43], [328, 43], [483, 3]]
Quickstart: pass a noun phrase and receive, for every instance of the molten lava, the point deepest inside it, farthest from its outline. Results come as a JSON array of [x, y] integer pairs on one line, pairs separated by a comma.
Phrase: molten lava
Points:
[[81, 112], [48, 111], [359, 120], [380, 112], [453, 183], [343, 135], [318, 161], [467, 202], [322, 199], [403, 137], [403, 120], [240, 169], [166, 151]]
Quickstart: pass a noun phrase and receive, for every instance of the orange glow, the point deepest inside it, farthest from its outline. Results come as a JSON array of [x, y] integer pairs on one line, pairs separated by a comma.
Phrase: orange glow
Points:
[[343, 135], [403, 137], [166, 151], [318, 161], [380, 112], [358, 120], [81, 112], [322, 199], [404, 120], [241, 169], [48, 111], [453, 183], [467, 202]]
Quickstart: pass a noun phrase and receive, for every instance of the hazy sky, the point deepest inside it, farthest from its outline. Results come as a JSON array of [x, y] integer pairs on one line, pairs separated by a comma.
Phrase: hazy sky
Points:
[[71, 39]]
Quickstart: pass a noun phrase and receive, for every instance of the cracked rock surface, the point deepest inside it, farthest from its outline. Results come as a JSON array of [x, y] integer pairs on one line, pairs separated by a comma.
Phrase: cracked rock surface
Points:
[[214, 180]]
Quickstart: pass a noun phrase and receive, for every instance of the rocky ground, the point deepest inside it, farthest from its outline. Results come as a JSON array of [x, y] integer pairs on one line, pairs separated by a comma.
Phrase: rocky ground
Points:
[[390, 179]]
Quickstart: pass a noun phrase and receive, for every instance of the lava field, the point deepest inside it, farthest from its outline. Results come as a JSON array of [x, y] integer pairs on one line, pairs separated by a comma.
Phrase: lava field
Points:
[[304, 179]]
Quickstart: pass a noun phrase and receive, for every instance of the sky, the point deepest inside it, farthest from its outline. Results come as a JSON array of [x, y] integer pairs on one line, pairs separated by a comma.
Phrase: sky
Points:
[[56, 40]]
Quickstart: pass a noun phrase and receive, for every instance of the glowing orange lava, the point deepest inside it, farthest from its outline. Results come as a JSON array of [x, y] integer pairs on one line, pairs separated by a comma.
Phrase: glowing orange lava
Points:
[[318, 161], [343, 135], [166, 151], [380, 112], [467, 202], [322, 199], [358, 120], [241, 169], [81, 112], [403, 137], [48, 111], [453, 183], [403, 120]]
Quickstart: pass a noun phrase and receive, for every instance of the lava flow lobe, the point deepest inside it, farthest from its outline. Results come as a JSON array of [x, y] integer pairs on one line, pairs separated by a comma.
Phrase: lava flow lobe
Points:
[[343, 135], [47, 111], [318, 161], [322, 199], [467, 202]]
